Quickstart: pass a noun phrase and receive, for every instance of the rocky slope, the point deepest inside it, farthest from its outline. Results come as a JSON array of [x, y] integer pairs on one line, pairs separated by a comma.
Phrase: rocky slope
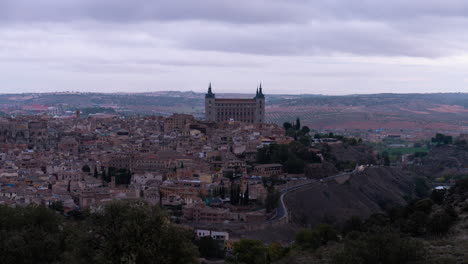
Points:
[[363, 194]]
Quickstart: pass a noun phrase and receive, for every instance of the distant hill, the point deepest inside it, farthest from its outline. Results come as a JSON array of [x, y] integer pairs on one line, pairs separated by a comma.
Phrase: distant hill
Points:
[[435, 112]]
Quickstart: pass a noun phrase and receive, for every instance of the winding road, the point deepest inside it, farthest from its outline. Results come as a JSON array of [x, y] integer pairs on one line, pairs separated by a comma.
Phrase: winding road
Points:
[[282, 210]]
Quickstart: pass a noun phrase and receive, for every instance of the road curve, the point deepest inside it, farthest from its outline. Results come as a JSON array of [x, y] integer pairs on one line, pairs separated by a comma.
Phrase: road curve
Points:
[[282, 210]]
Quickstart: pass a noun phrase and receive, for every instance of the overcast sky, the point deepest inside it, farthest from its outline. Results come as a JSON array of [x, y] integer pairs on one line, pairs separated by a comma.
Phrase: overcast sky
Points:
[[291, 46]]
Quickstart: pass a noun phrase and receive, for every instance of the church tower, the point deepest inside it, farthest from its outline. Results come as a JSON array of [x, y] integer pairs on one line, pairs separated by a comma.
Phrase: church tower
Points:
[[210, 107], [260, 106]]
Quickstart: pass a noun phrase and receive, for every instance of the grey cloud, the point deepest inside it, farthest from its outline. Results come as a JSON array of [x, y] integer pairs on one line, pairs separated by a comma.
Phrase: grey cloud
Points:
[[419, 28], [241, 11], [324, 38]]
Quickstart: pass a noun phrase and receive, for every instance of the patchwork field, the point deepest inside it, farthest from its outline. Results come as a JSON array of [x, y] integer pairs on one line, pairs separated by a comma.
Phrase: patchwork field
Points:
[[418, 113]]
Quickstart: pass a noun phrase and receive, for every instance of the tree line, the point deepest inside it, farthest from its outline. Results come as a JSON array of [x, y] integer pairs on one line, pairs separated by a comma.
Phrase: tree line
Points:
[[120, 232], [122, 176], [293, 156]]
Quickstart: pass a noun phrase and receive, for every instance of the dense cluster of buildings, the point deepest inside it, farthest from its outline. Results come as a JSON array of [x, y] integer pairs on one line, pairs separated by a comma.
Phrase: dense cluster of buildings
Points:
[[177, 161]]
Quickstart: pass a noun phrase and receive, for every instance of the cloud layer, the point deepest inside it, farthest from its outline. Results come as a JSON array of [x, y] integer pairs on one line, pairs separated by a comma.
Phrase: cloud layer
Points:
[[317, 46]]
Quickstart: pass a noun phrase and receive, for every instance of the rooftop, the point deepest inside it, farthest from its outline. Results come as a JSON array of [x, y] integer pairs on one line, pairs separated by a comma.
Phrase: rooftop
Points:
[[234, 100]]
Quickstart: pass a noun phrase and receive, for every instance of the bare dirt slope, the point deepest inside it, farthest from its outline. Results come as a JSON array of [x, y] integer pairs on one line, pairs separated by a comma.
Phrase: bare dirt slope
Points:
[[363, 194]]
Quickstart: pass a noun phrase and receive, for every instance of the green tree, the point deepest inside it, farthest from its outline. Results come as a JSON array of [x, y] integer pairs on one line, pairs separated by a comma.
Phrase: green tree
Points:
[[222, 192], [57, 206], [287, 125], [275, 251], [386, 158], [105, 177], [132, 232], [250, 252], [461, 142], [305, 140], [122, 176], [294, 165], [96, 174], [31, 234], [298, 124], [246, 198], [293, 156], [86, 169], [438, 196], [271, 201], [353, 224], [441, 221], [235, 194], [318, 236], [416, 223], [210, 248], [442, 139], [382, 245]]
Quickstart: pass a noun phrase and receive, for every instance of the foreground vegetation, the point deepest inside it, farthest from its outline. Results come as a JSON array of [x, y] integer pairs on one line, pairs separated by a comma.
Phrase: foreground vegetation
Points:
[[122, 232], [400, 235]]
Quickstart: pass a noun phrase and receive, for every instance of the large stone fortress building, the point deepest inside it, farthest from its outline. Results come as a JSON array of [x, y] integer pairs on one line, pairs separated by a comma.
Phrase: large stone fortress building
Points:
[[243, 110]]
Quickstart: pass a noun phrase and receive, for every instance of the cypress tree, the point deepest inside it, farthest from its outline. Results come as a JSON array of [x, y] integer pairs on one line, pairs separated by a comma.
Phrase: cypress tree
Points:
[[232, 195], [222, 192], [246, 195], [104, 176]]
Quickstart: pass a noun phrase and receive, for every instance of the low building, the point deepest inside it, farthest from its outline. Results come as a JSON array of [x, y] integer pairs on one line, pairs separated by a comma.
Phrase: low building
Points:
[[200, 213], [269, 169], [218, 235]]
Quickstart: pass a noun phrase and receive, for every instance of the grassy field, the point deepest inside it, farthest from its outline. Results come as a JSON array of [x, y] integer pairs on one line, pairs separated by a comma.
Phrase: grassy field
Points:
[[403, 151]]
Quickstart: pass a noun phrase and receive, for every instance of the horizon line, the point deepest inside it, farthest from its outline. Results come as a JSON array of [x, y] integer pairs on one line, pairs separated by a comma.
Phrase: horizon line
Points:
[[191, 91]]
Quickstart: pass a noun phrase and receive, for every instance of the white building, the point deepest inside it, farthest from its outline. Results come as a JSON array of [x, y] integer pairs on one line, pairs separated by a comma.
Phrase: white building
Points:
[[218, 235]]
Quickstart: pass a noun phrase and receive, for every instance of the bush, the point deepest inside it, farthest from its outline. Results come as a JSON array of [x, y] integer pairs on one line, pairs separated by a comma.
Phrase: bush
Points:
[[250, 252], [210, 248], [438, 196], [275, 251], [32, 234], [353, 224], [461, 187], [316, 237], [441, 221], [86, 169], [382, 245]]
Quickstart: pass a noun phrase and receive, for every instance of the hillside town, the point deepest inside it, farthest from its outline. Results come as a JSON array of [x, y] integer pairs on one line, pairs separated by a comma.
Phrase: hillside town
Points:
[[205, 171]]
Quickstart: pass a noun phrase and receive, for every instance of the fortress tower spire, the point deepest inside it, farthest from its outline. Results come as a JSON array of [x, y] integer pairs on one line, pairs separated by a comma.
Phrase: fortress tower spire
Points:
[[210, 94], [260, 92]]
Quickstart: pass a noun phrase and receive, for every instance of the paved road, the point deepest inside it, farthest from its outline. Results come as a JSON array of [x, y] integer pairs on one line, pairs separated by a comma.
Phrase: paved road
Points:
[[282, 210]]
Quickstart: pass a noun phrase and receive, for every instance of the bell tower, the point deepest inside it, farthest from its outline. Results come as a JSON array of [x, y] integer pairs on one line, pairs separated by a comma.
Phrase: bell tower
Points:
[[210, 107], [260, 106]]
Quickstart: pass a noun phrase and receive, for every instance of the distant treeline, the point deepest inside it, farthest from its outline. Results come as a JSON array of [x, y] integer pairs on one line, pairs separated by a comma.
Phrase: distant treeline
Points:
[[378, 99], [96, 110]]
